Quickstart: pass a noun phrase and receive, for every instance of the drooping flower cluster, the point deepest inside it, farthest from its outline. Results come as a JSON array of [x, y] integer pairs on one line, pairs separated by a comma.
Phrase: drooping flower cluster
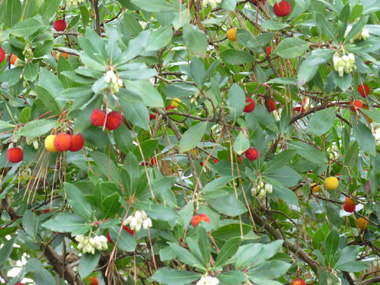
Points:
[[208, 280], [213, 3], [362, 35], [74, 3], [137, 220], [88, 244], [344, 64], [114, 81], [262, 189]]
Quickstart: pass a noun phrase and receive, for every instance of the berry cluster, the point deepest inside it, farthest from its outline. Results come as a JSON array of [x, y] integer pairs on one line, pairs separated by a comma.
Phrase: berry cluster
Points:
[[262, 189], [344, 64], [112, 120], [64, 142], [114, 81], [88, 244], [137, 220], [212, 3], [208, 280]]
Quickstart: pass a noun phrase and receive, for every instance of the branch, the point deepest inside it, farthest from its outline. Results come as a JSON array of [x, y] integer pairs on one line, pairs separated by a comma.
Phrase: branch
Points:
[[371, 281]]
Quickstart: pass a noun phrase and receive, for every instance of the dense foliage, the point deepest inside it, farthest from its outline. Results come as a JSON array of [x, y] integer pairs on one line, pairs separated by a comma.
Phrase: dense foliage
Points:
[[225, 142]]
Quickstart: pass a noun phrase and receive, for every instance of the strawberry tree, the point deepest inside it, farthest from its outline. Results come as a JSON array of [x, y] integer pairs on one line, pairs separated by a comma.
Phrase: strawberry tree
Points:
[[189, 142]]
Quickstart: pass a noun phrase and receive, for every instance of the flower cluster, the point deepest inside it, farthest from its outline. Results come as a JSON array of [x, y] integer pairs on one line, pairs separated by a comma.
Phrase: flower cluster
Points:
[[261, 189], [344, 64], [88, 244], [377, 133], [208, 280], [362, 35], [137, 220], [74, 3], [114, 81], [213, 3]]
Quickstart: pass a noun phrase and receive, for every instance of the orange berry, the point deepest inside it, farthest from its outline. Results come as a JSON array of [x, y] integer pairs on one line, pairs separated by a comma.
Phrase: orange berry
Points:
[[62, 142], [231, 34], [198, 218], [361, 223], [356, 105], [349, 205], [15, 154]]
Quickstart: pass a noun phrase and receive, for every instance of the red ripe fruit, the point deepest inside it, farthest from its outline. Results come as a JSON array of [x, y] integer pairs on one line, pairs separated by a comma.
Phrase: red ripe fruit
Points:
[[114, 120], [77, 143], [272, 105], [298, 282], [62, 142], [356, 105], [98, 117], [151, 117], [199, 218], [169, 107], [252, 154], [15, 154], [2, 55], [349, 205], [94, 281], [18, 283], [282, 9], [250, 106], [269, 50], [216, 160], [59, 25], [46, 211], [364, 90], [299, 109]]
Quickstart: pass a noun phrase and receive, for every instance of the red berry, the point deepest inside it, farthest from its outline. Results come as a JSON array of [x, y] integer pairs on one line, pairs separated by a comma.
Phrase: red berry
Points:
[[356, 105], [15, 154], [18, 283], [298, 282], [59, 25], [282, 9], [151, 117], [46, 211], [198, 218], [98, 117], [77, 143], [364, 90], [252, 153], [216, 160], [62, 142], [272, 105], [169, 107], [298, 109], [251, 105], [2, 55], [94, 281], [269, 50], [349, 205], [114, 120]]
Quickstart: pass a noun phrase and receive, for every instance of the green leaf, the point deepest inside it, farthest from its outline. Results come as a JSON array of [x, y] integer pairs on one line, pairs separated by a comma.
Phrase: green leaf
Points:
[[125, 242], [175, 277], [280, 160], [356, 28], [225, 202], [217, 183], [65, 223], [235, 102], [363, 136], [6, 251], [30, 223], [25, 115], [31, 71], [331, 246], [195, 40], [236, 57], [308, 151], [286, 195], [106, 166], [227, 251], [160, 38], [26, 27], [192, 137], [269, 269], [321, 122], [148, 93], [37, 128], [77, 201], [229, 231], [343, 82], [111, 205], [156, 5], [88, 263], [136, 113], [123, 139], [349, 253], [185, 256], [48, 99], [324, 26], [353, 266], [273, 25], [12, 12], [232, 277], [50, 8], [286, 175], [158, 211], [291, 48]]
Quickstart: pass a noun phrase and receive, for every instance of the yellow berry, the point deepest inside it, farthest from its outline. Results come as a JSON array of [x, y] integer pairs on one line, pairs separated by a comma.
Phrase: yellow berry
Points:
[[231, 34], [315, 188], [361, 223], [175, 102], [49, 145], [331, 183]]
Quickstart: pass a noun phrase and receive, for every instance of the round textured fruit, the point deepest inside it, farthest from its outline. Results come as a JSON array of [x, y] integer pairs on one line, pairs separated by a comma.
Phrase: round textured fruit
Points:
[[19, 283], [250, 106], [331, 183], [364, 90], [199, 218], [315, 188], [98, 117], [174, 103], [356, 105], [65, 55], [114, 120], [49, 143], [15, 154], [59, 25], [94, 281], [272, 105], [298, 282], [231, 34], [269, 50], [77, 142], [62, 142], [349, 205], [361, 223], [2, 55], [151, 117], [282, 9], [252, 154]]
